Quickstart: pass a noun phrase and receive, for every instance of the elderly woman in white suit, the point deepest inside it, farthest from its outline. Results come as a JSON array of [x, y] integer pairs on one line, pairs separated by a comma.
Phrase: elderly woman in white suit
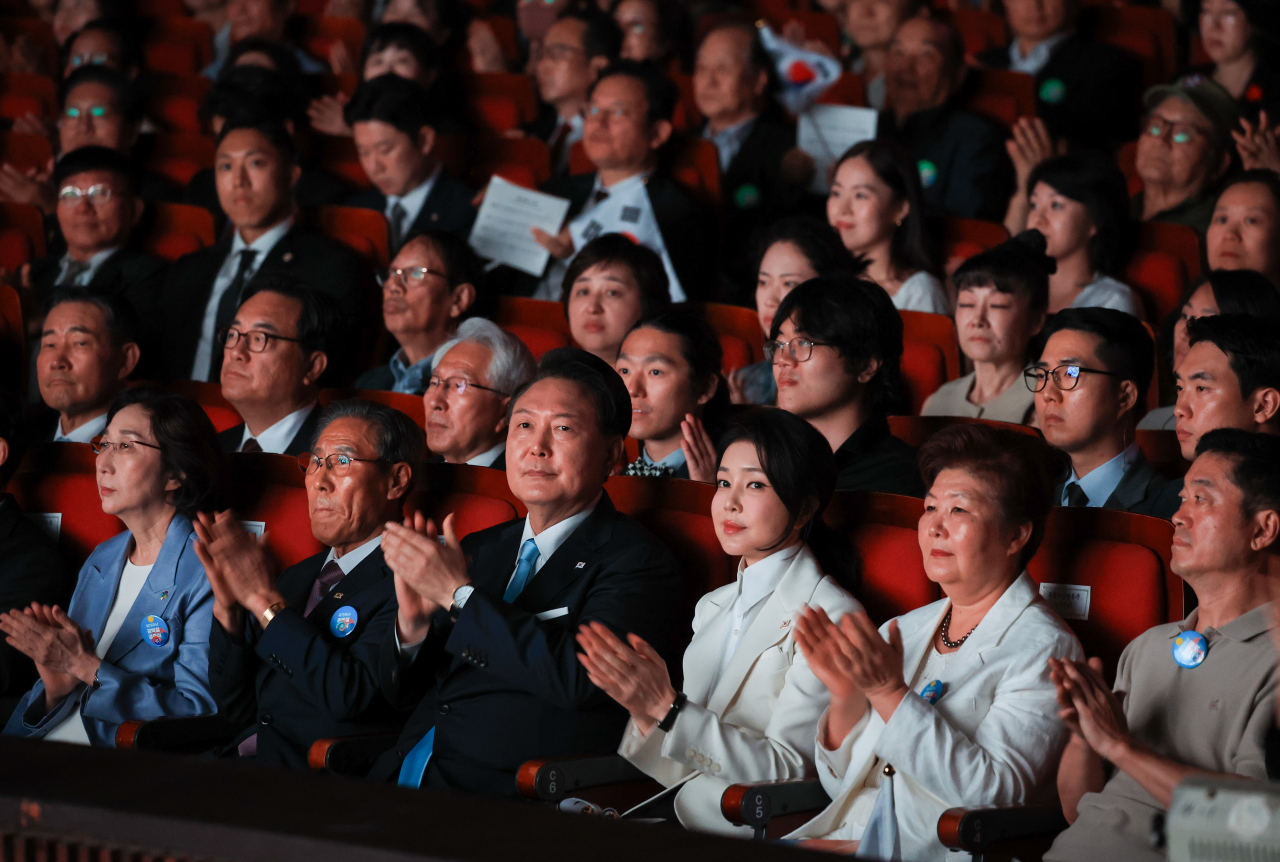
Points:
[[952, 704], [750, 704]]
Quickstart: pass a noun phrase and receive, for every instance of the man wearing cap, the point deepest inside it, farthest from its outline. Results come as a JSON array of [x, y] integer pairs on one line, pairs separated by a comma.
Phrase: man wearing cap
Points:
[[1191, 698], [1183, 150]]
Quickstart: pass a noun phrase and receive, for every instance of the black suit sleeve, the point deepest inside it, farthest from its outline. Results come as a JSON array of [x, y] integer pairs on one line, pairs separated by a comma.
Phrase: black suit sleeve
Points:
[[31, 570], [233, 668]]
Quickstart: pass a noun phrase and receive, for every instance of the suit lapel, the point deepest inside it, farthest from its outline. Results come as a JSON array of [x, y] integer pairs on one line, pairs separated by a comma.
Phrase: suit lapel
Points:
[[156, 593], [302, 440], [1132, 489], [704, 649], [559, 572], [371, 570], [495, 562], [916, 645]]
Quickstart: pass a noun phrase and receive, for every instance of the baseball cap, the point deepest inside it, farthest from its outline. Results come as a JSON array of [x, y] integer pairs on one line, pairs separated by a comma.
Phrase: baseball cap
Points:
[[1208, 97]]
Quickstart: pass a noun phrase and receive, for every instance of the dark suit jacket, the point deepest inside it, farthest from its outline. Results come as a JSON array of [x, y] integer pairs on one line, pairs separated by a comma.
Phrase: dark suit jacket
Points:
[[1142, 491], [31, 570], [447, 207], [501, 686], [317, 261], [1088, 93], [499, 463], [872, 459], [229, 440], [297, 681]]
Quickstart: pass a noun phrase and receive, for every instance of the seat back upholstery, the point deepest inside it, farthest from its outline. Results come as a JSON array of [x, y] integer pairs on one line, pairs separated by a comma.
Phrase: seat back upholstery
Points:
[[209, 396], [178, 229], [883, 529], [1163, 452], [364, 231], [410, 405], [915, 430], [478, 497], [13, 340], [538, 339], [58, 479], [272, 490]]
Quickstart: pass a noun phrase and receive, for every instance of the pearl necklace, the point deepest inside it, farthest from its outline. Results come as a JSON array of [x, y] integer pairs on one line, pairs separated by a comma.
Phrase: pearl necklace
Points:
[[946, 626]]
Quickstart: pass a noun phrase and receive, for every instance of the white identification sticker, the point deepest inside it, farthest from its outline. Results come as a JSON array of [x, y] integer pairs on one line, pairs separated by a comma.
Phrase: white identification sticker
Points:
[[50, 522], [1069, 600], [255, 527]]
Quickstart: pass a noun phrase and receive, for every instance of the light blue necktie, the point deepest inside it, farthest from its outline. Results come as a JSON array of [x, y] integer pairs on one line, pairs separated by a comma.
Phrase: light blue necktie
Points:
[[524, 571], [415, 765]]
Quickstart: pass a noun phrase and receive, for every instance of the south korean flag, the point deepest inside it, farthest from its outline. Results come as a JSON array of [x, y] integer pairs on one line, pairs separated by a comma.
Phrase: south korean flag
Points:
[[805, 75]]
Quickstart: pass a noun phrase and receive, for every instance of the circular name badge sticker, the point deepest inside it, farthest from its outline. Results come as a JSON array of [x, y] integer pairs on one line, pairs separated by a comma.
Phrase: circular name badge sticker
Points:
[[1189, 649], [932, 692], [928, 172], [155, 631], [1053, 91], [343, 622]]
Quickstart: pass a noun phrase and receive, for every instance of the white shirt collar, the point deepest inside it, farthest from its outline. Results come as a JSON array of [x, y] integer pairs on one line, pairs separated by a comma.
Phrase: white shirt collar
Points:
[[675, 459], [277, 438], [263, 244], [621, 185], [95, 263], [351, 559], [1036, 60], [550, 539], [757, 581], [1101, 482], [84, 433], [413, 201], [486, 459]]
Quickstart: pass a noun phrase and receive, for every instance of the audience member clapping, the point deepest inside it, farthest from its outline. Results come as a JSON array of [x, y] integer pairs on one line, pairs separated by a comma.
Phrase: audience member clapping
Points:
[[611, 284], [1163, 722], [949, 705], [134, 642], [1000, 307], [750, 703], [1245, 230]]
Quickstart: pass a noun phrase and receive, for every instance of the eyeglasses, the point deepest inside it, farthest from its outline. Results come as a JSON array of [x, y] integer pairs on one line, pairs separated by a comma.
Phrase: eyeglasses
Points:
[[338, 465], [1180, 133], [799, 348], [97, 194], [414, 274], [615, 113], [559, 52], [255, 339], [78, 60], [98, 112], [101, 444], [459, 385], [1065, 377]]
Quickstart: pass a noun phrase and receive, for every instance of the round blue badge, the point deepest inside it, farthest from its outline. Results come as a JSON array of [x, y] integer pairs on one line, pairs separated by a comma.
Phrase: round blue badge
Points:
[[155, 631], [928, 172], [1189, 649], [343, 621], [932, 692], [1053, 91]]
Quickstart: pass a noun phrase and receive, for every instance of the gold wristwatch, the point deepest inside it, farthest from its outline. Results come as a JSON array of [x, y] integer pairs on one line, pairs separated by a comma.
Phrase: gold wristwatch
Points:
[[270, 613]]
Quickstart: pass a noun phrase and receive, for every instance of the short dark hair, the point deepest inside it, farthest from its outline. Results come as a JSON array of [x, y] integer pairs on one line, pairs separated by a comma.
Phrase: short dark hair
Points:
[[120, 29], [461, 266], [699, 343], [126, 95], [602, 36], [1252, 347], [857, 318], [273, 129], [910, 249], [595, 377], [250, 91], [1241, 291], [660, 93], [13, 432], [408, 37], [318, 317], [1022, 469], [189, 450], [1017, 266], [393, 100], [397, 437], [1095, 180], [95, 158], [816, 240], [283, 60], [620, 250], [119, 315], [1126, 349], [1256, 470]]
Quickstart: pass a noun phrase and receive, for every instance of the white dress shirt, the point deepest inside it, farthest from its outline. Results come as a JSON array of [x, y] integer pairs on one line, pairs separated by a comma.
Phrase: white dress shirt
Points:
[[277, 438], [729, 140], [553, 282], [755, 584], [227, 274], [922, 292], [1101, 482], [95, 263], [351, 559], [84, 433], [486, 459], [411, 202], [1105, 292], [1037, 57]]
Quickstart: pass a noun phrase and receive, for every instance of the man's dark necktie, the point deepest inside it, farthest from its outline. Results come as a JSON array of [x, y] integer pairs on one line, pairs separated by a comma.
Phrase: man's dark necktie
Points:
[[227, 306], [75, 269], [601, 194], [1076, 495], [557, 145], [395, 226], [329, 575], [251, 445]]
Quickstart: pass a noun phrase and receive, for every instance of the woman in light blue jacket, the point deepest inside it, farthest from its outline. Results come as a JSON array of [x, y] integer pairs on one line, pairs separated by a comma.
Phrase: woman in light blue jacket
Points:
[[134, 643]]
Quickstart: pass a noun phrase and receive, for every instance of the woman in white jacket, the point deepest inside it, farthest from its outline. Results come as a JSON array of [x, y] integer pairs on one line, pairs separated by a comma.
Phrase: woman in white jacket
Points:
[[750, 706], [950, 705]]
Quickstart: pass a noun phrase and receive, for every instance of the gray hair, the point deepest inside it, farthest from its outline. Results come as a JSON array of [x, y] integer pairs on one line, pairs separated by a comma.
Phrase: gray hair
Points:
[[397, 437], [512, 365]]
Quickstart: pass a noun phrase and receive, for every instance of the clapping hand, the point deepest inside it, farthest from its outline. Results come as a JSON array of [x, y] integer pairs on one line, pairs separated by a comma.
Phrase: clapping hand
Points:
[[1088, 706], [1030, 145], [62, 651], [631, 673], [699, 451], [853, 655], [1257, 144], [236, 562], [425, 567]]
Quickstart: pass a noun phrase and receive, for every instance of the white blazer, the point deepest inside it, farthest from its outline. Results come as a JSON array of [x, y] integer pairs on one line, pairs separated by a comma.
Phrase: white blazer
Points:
[[993, 738], [759, 722]]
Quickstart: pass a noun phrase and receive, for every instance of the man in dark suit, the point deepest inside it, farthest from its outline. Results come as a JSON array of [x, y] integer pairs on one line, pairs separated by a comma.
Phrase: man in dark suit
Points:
[[483, 641], [394, 126], [256, 170], [294, 659], [580, 44], [31, 568], [732, 82], [1086, 92], [274, 354], [1093, 375], [628, 120]]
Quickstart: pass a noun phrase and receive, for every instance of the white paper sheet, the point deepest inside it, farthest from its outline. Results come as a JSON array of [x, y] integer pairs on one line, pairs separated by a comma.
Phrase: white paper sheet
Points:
[[628, 212], [826, 131], [502, 231]]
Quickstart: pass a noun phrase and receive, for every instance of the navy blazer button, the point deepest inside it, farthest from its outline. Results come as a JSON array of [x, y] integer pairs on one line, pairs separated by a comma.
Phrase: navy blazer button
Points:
[[267, 718], [444, 709]]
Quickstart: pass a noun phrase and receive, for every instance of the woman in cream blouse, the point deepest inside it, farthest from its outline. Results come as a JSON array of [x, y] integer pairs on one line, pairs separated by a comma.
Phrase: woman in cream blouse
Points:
[[949, 705], [750, 704]]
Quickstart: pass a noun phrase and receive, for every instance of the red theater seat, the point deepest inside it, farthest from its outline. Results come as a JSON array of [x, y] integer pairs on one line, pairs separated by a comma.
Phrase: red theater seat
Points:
[[179, 229], [409, 405], [981, 30], [884, 533], [1160, 278], [1175, 240], [319, 35], [524, 161], [364, 231], [57, 479], [24, 93], [499, 113], [179, 156], [513, 310], [964, 237], [518, 89], [1001, 95], [479, 497], [270, 489], [923, 370], [338, 157], [39, 34], [209, 397], [736, 322], [179, 45], [25, 152], [13, 340], [849, 89], [538, 339], [915, 430], [21, 235], [1162, 452]]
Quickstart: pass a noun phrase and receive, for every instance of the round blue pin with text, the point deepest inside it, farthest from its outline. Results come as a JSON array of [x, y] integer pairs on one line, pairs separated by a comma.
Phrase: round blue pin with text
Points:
[[1189, 649], [155, 631], [343, 621], [932, 692], [928, 172]]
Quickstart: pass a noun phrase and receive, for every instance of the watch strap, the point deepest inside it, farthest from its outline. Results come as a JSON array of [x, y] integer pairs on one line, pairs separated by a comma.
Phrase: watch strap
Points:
[[269, 614], [669, 719]]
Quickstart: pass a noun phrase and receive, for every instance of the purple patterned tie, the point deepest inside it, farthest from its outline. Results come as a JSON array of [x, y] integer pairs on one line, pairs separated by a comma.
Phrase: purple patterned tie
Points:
[[329, 575]]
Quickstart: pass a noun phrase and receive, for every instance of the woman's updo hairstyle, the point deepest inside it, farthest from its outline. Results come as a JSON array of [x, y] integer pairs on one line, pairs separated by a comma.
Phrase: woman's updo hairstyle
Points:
[[1022, 469], [189, 450]]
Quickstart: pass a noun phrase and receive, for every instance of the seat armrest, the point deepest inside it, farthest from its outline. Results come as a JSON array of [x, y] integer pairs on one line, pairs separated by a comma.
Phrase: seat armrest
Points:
[[349, 755], [756, 804], [975, 829], [553, 779], [188, 734]]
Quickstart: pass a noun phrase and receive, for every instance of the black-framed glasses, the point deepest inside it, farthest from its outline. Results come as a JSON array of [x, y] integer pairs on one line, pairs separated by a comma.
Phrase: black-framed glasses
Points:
[[100, 444], [337, 464], [414, 275], [799, 348], [459, 385], [1065, 377], [256, 340], [96, 194]]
